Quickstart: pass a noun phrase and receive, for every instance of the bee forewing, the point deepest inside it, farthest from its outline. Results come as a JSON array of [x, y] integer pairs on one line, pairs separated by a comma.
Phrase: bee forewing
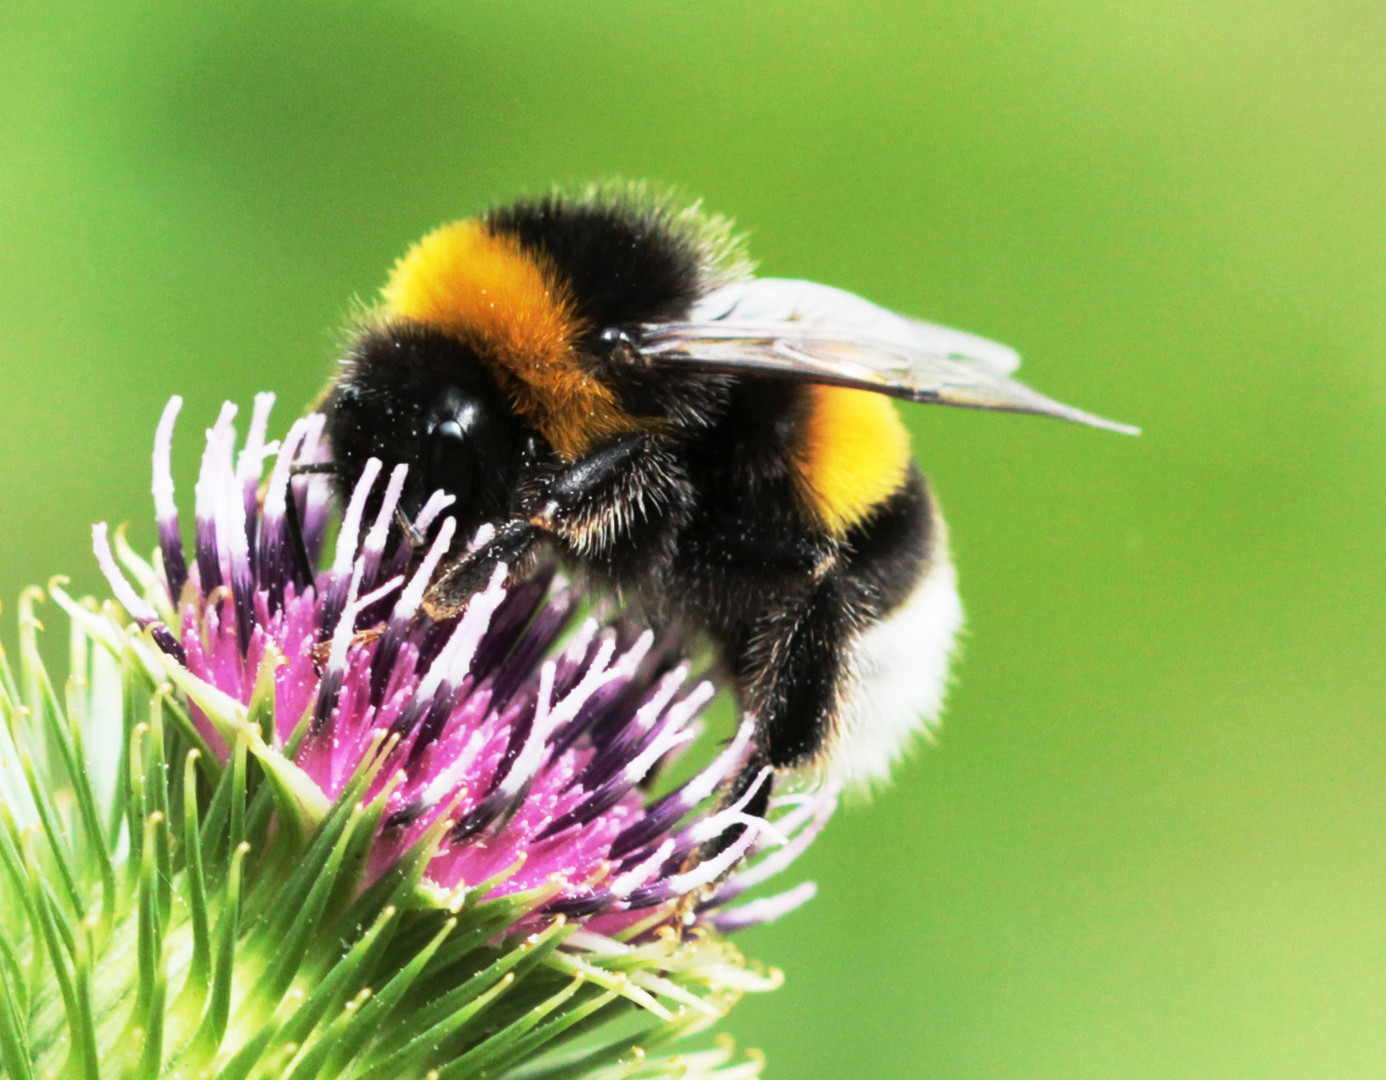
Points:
[[1007, 395], [803, 330], [780, 303]]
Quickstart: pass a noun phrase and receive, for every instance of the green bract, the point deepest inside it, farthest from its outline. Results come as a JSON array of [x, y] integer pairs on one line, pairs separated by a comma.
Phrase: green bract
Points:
[[161, 915]]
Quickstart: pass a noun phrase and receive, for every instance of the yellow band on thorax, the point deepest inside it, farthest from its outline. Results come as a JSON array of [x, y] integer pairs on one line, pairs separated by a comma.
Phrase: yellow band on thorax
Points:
[[483, 288]]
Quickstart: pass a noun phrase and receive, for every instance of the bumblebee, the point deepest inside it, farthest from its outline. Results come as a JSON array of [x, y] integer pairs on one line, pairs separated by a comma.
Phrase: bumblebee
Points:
[[601, 374]]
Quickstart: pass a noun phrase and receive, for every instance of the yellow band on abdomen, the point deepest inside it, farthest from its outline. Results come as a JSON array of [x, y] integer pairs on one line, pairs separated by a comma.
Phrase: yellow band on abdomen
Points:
[[851, 453]]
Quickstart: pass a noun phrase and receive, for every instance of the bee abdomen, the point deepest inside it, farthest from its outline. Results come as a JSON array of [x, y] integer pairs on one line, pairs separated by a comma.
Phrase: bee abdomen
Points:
[[896, 663], [898, 673]]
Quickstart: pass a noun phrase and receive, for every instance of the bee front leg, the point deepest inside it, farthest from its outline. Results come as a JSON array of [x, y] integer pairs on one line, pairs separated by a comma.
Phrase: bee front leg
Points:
[[576, 489], [461, 580], [583, 505], [617, 509]]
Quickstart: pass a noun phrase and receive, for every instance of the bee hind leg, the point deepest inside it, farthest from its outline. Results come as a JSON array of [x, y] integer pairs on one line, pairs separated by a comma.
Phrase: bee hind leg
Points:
[[747, 786], [794, 672]]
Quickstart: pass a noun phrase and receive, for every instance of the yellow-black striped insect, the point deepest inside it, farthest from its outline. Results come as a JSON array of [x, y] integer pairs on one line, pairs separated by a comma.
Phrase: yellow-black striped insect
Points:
[[602, 374]]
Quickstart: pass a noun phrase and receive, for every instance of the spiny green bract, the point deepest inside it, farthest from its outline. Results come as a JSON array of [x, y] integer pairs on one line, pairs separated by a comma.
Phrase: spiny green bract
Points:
[[163, 915]]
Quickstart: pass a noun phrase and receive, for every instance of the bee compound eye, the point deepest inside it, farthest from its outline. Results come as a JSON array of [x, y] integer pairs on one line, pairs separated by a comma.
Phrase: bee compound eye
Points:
[[450, 460]]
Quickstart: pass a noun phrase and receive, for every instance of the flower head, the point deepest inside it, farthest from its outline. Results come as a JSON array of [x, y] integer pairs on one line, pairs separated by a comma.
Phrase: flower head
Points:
[[459, 830], [531, 734]]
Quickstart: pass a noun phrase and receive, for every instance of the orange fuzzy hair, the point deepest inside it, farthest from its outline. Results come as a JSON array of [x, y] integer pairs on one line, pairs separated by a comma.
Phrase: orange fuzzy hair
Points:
[[511, 308]]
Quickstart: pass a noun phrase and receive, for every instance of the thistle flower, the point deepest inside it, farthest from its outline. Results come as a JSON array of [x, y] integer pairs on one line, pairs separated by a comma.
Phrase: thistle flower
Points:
[[282, 826]]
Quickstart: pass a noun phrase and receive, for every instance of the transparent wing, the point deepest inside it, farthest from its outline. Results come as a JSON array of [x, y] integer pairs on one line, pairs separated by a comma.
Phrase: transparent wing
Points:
[[802, 330]]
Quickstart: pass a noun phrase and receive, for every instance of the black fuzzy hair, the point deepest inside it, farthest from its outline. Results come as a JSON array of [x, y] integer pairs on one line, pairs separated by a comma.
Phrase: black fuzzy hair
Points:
[[627, 256]]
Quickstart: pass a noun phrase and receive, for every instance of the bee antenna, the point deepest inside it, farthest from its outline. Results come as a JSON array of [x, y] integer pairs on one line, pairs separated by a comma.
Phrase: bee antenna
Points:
[[291, 515]]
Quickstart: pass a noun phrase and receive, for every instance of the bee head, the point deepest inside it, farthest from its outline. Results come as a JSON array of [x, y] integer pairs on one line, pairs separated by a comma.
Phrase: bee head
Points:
[[422, 397]]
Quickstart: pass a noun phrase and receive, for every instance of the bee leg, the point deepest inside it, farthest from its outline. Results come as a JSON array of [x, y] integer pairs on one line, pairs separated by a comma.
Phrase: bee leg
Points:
[[569, 492], [747, 776], [412, 536], [618, 512], [459, 582], [842, 669], [302, 562], [794, 670], [291, 516], [785, 634], [560, 505]]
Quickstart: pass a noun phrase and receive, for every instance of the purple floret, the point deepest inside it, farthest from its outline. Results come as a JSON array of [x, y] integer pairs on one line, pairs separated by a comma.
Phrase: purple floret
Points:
[[536, 735]]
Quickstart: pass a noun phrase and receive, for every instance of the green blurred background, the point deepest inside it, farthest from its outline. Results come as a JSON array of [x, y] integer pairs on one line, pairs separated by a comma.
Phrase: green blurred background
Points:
[[1151, 841]]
